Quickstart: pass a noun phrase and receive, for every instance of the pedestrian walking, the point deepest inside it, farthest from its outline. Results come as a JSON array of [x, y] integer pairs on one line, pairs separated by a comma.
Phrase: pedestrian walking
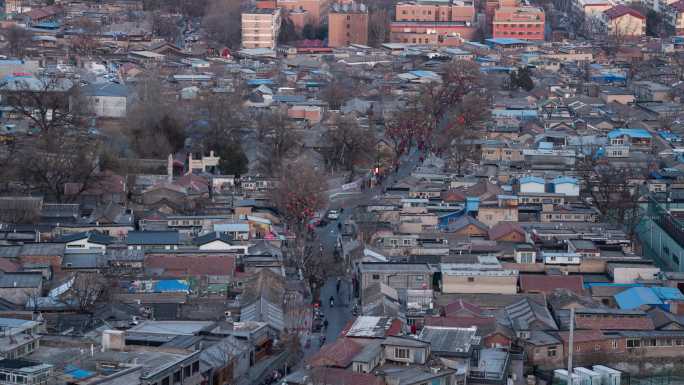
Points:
[[338, 284]]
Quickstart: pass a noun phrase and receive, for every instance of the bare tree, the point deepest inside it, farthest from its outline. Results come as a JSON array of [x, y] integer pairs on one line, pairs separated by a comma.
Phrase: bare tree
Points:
[[86, 289], [338, 91], [18, 39], [278, 141], [457, 143], [350, 143], [299, 195], [378, 27], [154, 127], [61, 152], [222, 22], [165, 27], [618, 34], [615, 196], [46, 102], [85, 41]]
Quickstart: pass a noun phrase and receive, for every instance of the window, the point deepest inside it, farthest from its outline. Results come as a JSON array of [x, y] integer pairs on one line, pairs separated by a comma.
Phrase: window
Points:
[[407, 242], [471, 279], [401, 353], [578, 348], [195, 367], [166, 381], [376, 276], [614, 344], [551, 352], [348, 18], [633, 343], [177, 376], [186, 372], [597, 348]]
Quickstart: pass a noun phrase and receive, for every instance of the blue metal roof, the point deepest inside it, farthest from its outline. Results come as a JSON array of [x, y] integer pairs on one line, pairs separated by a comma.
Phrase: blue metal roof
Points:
[[77, 372], [564, 179], [171, 286], [636, 297], [668, 293], [631, 132], [669, 136], [545, 146], [258, 82], [424, 74], [531, 179], [506, 41]]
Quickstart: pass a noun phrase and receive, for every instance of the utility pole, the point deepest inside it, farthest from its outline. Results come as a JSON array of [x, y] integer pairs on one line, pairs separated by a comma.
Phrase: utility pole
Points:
[[570, 344]]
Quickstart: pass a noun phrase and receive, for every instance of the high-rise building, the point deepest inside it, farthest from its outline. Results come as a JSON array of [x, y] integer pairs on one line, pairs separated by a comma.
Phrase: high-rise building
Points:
[[260, 28], [347, 24], [434, 22], [525, 23]]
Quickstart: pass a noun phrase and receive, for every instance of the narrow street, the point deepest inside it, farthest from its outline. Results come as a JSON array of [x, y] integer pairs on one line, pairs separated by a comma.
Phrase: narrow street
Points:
[[339, 314]]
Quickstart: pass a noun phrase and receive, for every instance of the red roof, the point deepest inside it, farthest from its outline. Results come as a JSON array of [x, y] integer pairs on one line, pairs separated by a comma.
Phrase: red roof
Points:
[[8, 266], [193, 183], [461, 306], [610, 322], [502, 229], [184, 266], [546, 284], [622, 10], [37, 14], [338, 354]]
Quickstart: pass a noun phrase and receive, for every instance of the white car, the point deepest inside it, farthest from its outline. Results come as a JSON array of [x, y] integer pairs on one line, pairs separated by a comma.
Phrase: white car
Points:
[[333, 214]]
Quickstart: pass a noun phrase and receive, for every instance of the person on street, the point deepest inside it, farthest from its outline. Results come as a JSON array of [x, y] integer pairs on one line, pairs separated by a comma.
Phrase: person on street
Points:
[[325, 324], [332, 301], [339, 281]]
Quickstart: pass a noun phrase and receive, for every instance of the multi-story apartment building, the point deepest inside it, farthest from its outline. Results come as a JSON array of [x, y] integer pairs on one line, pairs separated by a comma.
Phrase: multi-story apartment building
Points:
[[434, 22], [260, 28], [347, 24], [590, 8], [674, 16], [317, 10], [519, 22], [624, 21]]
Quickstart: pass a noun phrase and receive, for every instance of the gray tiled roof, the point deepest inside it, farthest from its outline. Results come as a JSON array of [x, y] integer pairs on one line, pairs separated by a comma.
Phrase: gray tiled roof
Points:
[[21, 280], [153, 238], [449, 341]]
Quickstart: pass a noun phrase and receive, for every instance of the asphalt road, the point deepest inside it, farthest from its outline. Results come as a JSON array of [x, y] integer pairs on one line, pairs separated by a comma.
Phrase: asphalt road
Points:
[[328, 235]]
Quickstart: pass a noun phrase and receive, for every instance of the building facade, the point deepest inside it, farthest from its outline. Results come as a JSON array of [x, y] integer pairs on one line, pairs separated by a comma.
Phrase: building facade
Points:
[[431, 22], [624, 21], [260, 28], [347, 24], [519, 22]]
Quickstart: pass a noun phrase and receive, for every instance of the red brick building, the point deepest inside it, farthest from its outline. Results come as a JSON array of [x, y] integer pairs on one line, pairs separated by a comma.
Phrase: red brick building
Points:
[[525, 23], [433, 23], [347, 24]]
